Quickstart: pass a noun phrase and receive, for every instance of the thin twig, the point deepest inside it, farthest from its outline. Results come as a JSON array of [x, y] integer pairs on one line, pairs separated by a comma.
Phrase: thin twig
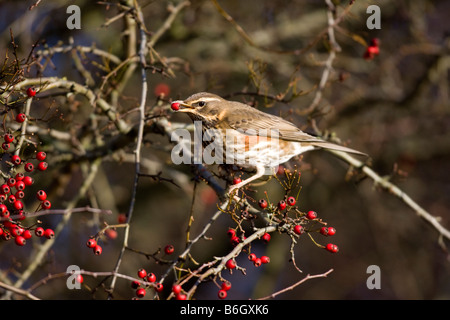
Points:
[[137, 150], [394, 190], [22, 292], [308, 277]]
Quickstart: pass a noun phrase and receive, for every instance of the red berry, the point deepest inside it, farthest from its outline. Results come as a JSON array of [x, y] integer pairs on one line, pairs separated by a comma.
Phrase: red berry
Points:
[[41, 195], [222, 294], [16, 231], [159, 287], [226, 285], [20, 185], [291, 201], [373, 50], [20, 241], [151, 277], [169, 249], [18, 205], [237, 180], [31, 92], [97, 250], [28, 180], [135, 284], [257, 262], [4, 188], [46, 205], [375, 42], [162, 90], [122, 218], [324, 231], [142, 273], [19, 176], [252, 257], [181, 296], [332, 248], [231, 233], [6, 236], [49, 234], [231, 264], [311, 215], [262, 203], [27, 234], [21, 215], [176, 288], [42, 165], [79, 278], [175, 106], [331, 231], [5, 146], [282, 205], [298, 229], [11, 182], [29, 167], [19, 195], [21, 117], [11, 198], [111, 233], [39, 231], [91, 243], [266, 237], [265, 259], [235, 240], [8, 138], [41, 155], [16, 160], [140, 293]]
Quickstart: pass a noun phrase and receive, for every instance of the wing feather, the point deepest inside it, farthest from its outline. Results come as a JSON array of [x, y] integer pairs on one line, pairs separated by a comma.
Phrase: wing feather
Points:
[[252, 121]]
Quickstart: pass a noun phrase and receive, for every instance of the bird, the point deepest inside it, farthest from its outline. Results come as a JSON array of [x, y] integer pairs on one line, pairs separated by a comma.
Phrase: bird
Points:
[[248, 137]]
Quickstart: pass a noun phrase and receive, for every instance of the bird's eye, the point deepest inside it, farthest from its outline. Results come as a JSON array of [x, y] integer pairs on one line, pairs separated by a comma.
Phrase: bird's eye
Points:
[[201, 103]]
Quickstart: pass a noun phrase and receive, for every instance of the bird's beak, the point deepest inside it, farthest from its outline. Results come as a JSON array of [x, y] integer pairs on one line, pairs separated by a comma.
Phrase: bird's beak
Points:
[[179, 105]]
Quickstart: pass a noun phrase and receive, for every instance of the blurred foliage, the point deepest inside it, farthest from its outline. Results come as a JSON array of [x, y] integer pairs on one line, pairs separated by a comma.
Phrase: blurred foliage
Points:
[[394, 107]]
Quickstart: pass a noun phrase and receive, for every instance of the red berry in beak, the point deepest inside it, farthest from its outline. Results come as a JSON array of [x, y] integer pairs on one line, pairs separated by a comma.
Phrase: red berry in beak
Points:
[[175, 106]]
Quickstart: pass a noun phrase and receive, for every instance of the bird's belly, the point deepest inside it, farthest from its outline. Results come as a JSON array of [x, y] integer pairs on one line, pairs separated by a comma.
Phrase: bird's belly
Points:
[[255, 151]]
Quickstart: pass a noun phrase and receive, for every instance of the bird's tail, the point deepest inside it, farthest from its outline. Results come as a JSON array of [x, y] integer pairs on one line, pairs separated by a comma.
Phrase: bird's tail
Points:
[[336, 147]]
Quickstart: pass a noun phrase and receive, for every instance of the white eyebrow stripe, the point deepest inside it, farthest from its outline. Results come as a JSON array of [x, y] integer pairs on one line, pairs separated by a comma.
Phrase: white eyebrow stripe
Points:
[[206, 99]]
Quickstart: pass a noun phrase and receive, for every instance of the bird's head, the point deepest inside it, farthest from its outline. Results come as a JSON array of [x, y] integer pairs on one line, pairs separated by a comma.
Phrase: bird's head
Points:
[[201, 106]]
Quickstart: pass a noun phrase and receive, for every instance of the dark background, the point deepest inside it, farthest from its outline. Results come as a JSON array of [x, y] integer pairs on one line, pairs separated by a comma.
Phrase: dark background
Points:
[[394, 107]]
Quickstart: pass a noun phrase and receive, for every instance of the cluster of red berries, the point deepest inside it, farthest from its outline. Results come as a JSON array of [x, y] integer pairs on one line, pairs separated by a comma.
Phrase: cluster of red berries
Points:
[[223, 292], [298, 228], [282, 204], [12, 193], [151, 278], [96, 248], [148, 277], [258, 261], [234, 239], [372, 50], [231, 263]]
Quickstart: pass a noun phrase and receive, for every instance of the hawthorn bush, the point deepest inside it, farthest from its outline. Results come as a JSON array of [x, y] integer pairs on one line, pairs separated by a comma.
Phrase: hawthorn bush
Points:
[[92, 207]]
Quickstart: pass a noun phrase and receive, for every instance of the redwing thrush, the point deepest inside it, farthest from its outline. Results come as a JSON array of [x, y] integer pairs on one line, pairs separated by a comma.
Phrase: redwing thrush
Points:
[[249, 137]]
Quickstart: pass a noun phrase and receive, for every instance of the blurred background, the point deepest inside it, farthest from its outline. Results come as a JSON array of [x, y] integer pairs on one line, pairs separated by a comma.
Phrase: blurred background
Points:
[[394, 107]]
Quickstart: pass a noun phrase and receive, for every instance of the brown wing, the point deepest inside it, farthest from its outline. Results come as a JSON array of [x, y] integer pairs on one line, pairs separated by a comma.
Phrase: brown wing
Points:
[[248, 119]]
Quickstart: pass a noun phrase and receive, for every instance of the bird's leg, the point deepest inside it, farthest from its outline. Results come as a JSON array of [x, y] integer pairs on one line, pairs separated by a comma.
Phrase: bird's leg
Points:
[[260, 171]]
